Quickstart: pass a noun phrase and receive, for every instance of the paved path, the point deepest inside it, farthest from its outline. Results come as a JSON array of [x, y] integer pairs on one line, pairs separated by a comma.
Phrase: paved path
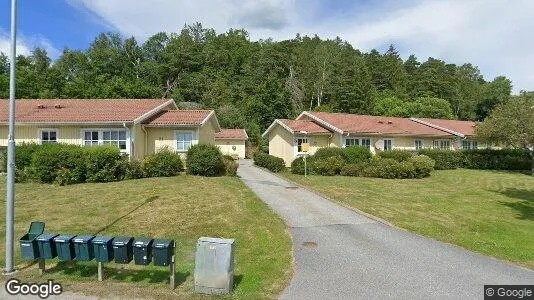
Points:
[[341, 254]]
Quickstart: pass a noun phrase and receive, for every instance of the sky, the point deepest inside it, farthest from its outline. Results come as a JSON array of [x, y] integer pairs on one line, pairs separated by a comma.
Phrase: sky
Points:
[[495, 35]]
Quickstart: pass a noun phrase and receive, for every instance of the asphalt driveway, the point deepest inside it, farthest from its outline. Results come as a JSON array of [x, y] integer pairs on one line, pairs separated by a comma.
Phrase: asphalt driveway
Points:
[[341, 254]]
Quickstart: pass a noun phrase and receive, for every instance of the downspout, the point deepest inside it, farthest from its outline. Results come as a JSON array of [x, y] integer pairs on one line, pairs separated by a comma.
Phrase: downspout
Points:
[[130, 134], [146, 139]]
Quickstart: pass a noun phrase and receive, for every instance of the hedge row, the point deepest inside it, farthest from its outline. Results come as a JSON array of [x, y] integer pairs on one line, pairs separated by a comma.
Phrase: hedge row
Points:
[[69, 164], [270, 162], [484, 159]]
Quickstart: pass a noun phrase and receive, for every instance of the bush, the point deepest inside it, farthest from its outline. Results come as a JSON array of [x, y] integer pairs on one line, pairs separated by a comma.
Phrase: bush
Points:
[[270, 162], [297, 165], [133, 169], [489, 159], [205, 160], [104, 164], [230, 165], [323, 153], [23, 154], [50, 160], [444, 159], [356, 155], [328, 166], [353, 169], [423, 165], [390, 168], [398, 155], [165, 163]]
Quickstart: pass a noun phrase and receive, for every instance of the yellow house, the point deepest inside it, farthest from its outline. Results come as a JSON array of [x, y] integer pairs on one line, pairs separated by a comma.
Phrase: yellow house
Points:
[[320, 129], [232, 142], [138, 127]]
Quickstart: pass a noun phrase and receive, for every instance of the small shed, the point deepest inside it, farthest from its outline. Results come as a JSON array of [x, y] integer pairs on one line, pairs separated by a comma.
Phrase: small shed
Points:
[[232, 142]]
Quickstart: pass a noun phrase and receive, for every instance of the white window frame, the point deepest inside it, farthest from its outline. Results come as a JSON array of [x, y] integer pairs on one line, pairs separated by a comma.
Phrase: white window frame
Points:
[[438, 144], [101, 137], [360, 142], [469, 145], [303, 139], [194, 139], [384, 144], [421, 146], [40, 132]]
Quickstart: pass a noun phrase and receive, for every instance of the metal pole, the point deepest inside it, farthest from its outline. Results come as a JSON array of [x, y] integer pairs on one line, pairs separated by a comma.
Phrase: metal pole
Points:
[[10, 197]]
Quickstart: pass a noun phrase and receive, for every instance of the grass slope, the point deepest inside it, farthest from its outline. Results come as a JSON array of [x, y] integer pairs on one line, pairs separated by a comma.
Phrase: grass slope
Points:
[[183, 208], [486, 211]]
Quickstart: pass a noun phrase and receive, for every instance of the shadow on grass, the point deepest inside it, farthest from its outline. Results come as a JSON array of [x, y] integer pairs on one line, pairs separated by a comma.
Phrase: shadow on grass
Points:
[[117, 272], [148, 200], [525, 203], [237, 280], [524, 172]]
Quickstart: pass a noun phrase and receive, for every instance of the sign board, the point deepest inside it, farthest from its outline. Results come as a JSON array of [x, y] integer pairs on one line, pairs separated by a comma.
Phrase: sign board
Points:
[[305, 147]]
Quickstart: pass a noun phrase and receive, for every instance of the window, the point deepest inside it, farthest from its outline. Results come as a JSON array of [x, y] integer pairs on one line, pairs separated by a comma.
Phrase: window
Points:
[[115, 137], [183, 141], [441, 144], [387, 145], [364, 142], [301, 141], [467, 144], [418, 144], [47, 136]]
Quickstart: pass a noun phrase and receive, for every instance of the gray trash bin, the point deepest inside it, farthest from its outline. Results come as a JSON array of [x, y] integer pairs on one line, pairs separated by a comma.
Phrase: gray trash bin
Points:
[[214, 266]]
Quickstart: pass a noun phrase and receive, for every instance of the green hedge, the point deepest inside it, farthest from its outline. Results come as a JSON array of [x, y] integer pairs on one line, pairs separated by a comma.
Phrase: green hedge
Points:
[[270, 162], [297, 165], [489, 159], [327, 152], [445, 159], [164, 163], [205, 160], [230, 165], [423, 165], [356, 155], [398, 155], [353, 169], [329, 166], [390, 168]]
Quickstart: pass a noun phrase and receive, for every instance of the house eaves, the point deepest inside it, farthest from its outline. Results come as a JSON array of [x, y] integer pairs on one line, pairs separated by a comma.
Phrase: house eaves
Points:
[[437, 127]]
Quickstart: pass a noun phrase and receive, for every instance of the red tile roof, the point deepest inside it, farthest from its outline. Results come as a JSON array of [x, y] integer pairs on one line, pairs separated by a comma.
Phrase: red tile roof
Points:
[[78, 110], [463, 127], [232, 134], [363, 124], [180, 117], [304, 125]]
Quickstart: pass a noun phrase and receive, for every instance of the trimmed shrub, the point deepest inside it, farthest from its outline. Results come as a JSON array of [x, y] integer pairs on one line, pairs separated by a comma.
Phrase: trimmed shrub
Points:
[[444, 159], [49, 160], [133, 169], [353, 169], [323, 153], [390, 168], [205, 160], [23, 154], [297, 165], [230, 165], [356, 155], [398, 155], [270, 162], [104, 164], [3, 159], [328, 166], [423, 165], [489, 159], [164, 163]]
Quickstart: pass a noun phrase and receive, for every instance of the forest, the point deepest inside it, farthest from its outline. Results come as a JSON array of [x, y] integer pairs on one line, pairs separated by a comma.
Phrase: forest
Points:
[[251, 83]]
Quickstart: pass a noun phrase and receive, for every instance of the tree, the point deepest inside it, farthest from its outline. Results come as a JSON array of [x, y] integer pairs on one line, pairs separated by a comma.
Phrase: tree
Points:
[[511, 124], [496, 92]]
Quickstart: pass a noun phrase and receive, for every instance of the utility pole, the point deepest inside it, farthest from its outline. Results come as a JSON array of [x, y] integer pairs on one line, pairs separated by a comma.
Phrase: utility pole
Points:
[[10, 197]]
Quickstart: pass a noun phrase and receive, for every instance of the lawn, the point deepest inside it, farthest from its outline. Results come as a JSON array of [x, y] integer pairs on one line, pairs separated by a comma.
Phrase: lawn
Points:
[[488, 212], [183, 208]]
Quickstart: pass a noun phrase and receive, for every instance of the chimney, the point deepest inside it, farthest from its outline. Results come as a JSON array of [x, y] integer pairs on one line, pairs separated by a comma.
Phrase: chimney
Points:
[[381, 122], [41, 106], [389, 122], [58, 106]]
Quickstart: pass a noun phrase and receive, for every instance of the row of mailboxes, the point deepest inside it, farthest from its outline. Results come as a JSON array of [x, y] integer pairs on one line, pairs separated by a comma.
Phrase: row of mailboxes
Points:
[[104, 249]]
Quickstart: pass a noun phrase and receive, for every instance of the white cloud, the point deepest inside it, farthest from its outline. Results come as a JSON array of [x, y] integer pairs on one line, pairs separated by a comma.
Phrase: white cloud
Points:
[[493, 34], [26, 43]]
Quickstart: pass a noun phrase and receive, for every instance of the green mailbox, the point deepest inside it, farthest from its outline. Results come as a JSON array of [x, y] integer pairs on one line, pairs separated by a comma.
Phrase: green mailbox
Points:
[[103, 249], [162, 251], [83, 248], [64, 247], [142, 248], [47, 248], [28, 243], [122, 249]]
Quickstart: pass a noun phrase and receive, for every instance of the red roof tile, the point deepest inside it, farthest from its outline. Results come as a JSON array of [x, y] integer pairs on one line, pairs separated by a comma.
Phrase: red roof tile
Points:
[[463, 127], [304, 125], [78, 110], [232, 134], [364, 124], [180, 117]]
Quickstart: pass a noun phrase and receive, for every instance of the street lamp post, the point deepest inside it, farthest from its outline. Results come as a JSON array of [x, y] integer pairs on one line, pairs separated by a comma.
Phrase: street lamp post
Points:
[[10, 196]]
